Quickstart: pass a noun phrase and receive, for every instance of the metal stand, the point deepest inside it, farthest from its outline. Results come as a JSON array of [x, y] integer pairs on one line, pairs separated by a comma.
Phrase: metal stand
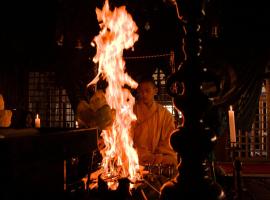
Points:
[[237, 167], [238, 192]]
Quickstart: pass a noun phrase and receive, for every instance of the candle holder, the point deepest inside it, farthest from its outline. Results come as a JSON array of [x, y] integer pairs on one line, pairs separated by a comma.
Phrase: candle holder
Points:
[[233, 149], [238, 189]]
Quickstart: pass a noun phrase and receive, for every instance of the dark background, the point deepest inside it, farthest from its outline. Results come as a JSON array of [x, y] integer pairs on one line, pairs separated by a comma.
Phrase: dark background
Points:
[[30, 31]]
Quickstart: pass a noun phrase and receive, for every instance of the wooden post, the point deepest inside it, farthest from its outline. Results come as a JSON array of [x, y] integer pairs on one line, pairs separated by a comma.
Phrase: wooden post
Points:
[[261, 121], [253, 140], [240, 143], [267, 88], [246, 146], [65, 175]]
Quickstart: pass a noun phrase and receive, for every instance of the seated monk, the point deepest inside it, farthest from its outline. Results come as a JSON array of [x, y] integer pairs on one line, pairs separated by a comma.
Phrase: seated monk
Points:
[[153, 127]]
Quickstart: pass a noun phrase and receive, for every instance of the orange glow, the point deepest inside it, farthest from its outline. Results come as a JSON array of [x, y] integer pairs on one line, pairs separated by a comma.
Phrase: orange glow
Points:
[[118, 32], [37, 122]]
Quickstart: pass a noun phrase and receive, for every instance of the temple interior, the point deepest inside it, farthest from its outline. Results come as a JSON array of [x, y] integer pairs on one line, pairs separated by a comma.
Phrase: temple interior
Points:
[[208, 59]]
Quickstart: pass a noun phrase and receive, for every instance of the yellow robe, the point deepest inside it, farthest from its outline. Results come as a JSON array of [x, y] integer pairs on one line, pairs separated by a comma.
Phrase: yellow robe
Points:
[[151, 134]]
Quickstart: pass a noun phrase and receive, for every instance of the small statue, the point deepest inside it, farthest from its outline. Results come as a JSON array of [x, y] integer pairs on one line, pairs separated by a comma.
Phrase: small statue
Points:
[[5, 115]]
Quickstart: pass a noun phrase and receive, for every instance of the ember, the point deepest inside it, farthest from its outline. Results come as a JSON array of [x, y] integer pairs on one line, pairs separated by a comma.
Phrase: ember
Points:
[[118, 32]]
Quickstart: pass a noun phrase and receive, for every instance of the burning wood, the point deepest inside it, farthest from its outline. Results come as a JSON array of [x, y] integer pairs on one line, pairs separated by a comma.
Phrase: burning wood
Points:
[[118, 32]]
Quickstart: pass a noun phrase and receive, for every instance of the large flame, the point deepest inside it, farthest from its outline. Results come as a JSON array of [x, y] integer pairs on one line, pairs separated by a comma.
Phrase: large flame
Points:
[[118, 32]]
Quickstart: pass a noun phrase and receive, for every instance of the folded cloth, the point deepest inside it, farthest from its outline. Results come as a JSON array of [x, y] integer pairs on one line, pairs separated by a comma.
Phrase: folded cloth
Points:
[[105, 117], [96, 113], [98, 100], [85, 115]]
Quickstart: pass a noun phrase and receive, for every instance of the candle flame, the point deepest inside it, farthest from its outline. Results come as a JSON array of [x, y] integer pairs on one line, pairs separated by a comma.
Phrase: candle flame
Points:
[[118, 32]]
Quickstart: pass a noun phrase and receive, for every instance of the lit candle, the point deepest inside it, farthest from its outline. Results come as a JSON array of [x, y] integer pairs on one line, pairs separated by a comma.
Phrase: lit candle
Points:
[[37, 122], [76, 124], [232, 127]]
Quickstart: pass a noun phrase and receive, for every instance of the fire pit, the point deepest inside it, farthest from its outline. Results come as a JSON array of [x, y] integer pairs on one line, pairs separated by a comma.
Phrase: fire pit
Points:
[[118, 32]]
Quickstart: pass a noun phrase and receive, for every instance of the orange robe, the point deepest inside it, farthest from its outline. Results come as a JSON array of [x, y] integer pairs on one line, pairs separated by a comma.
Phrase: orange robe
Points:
[[151, 134]]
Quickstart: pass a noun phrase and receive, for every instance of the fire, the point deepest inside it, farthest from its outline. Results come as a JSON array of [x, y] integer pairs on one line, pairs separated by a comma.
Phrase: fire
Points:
[[118, 32]]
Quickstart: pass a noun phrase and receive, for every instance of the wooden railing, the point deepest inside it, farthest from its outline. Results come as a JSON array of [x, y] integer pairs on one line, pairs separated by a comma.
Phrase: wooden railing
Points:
[[255, 144], [252, 145]]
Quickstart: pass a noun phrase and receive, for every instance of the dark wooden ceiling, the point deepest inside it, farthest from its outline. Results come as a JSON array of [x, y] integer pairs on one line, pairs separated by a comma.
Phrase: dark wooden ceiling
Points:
[[30, 28]]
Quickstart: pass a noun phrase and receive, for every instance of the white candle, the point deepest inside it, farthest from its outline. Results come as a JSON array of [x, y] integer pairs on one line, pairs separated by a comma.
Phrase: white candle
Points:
[[37, 122], [232, 127], [76, 124]]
